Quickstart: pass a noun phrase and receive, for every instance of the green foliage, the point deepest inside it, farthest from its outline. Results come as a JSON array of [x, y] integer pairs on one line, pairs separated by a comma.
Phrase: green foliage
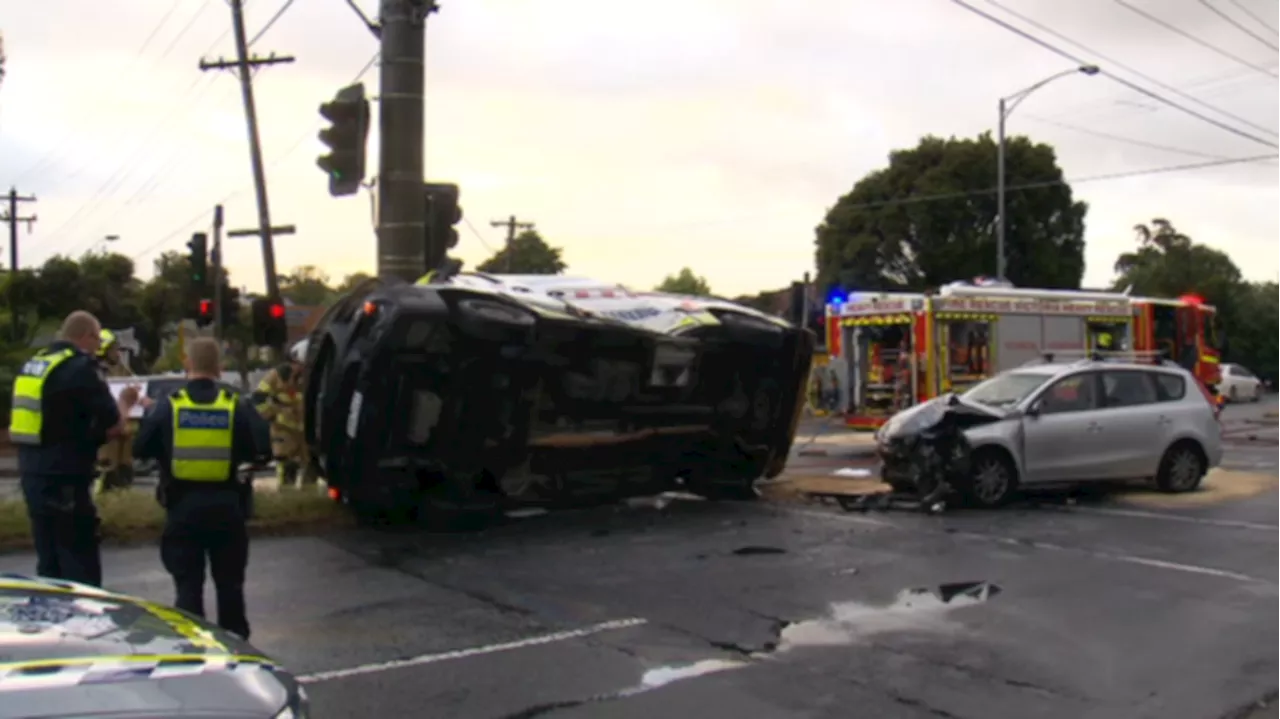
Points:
[[685, 282], [929, 218], [307, 286], [528, 254]]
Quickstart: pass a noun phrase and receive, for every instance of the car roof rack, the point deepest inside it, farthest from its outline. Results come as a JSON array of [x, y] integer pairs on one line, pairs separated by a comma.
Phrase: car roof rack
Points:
[[1080, 357]]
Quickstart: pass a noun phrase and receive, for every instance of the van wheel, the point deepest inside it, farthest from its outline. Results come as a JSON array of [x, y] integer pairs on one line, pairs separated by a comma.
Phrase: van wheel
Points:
[[1181, 469], [993, 480]]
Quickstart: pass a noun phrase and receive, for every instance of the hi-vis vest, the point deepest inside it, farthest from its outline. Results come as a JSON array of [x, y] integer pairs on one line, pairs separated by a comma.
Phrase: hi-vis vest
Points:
[[202, 437], [26, 419], [426, 279]]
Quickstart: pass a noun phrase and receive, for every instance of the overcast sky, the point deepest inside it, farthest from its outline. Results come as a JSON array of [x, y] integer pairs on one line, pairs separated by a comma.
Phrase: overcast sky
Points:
[[640, 137]]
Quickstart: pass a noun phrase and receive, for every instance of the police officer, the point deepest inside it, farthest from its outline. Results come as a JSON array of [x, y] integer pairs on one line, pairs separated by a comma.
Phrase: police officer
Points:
[[278, 400], [61, 414], [199, 435], [115, 459]]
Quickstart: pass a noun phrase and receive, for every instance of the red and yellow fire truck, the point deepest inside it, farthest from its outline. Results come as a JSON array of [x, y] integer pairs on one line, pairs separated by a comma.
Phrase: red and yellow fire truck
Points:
[[897, 349]]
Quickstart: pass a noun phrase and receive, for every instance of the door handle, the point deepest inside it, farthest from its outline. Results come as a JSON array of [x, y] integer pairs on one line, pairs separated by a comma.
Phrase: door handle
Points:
[[1093, 427], [1164, 421]]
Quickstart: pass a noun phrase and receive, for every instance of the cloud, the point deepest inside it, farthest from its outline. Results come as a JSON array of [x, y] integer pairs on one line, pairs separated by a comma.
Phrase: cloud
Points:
[[640, 138]]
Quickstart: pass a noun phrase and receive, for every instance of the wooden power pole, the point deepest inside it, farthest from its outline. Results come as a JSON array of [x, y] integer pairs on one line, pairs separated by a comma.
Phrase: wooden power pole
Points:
[[512, 224], [245, 64], [12, 217]]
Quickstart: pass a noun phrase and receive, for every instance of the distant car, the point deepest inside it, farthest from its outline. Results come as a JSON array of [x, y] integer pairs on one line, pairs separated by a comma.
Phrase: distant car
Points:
[[69, 650], [1239, 384], [1053, 424]]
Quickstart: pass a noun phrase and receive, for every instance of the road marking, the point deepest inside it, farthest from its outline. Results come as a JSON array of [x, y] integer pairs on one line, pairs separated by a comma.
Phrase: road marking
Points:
[[1140, 514], [1037, 544], [472, 651]]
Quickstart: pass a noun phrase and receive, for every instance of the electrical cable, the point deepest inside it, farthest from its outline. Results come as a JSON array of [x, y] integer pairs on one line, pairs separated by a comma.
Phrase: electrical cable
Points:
[[272, 21], [1123, 175], [1238, 25], [1183, 33], [44, 159], [1109, 60], [1240, 6], [1114, 78], [1122, 139], [479, 236]]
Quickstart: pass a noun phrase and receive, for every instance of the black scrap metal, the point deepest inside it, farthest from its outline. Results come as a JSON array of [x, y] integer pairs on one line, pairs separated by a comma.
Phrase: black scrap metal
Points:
[[864, 502]]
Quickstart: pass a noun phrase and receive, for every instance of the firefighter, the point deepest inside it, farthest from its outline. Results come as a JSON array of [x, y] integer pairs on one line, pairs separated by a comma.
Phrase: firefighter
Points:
[[279, 401], [62, 413], [199, 436], [115, 458]]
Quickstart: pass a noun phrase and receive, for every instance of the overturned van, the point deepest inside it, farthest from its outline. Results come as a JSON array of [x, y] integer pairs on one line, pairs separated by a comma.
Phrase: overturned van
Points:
[[485, 390]]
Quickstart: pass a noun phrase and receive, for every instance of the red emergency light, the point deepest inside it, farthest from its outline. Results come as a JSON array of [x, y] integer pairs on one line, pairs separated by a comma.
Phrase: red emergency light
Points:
[[1192, 299], [277, 311]]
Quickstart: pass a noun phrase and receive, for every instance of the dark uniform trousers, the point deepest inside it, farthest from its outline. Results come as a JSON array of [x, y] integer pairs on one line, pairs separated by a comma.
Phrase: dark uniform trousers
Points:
[[206, 525], [64, 527]]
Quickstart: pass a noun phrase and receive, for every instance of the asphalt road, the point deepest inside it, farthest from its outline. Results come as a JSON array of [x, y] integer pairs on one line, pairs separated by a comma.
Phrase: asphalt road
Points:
[[729, 611]]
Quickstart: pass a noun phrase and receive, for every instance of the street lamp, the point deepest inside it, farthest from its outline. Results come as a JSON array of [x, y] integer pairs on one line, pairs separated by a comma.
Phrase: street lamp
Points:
[[1007, 106]]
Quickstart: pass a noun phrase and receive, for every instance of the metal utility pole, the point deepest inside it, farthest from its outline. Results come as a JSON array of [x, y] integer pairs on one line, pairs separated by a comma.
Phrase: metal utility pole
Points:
[[1007, 105], [245, 64], [13, 218], [512, 224], [401, 211], [217, 271]]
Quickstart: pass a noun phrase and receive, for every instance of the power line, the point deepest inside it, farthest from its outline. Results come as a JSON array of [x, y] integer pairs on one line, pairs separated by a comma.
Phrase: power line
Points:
[[477, 234], [1121, 138], [1054, 183], [1114, 78], [1240, 6], [1215, 86], [270, 22], [1183, 33], [1238, 25]]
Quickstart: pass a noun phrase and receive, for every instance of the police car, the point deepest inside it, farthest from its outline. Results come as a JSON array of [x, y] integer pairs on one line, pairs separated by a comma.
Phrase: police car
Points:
[[483, 388], [69, 650]]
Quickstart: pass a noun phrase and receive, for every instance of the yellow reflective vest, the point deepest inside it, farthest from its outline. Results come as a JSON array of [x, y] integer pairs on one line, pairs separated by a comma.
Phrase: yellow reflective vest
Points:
[[202, 437], [426, 279], [26, 418]]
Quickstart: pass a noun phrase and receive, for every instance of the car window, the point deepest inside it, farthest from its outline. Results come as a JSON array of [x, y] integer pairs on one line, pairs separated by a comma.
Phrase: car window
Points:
[[1006, 389], [1238, 371], [1128, 388], [1070, 394], [1170, 387]]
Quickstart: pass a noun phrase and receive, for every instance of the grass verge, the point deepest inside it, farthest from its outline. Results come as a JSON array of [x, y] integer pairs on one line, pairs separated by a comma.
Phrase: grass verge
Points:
[[133, 516]]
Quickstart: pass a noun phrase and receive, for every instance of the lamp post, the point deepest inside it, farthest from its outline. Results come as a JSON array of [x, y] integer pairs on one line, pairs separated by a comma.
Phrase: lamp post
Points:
[[1007, 106]]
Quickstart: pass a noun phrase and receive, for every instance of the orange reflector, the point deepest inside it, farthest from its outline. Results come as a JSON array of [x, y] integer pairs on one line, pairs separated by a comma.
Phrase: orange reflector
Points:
[[334, 494], [370, 308]]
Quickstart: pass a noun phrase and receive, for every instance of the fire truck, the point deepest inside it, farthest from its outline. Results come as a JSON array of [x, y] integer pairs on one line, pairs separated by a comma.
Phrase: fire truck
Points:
[[896, 349]]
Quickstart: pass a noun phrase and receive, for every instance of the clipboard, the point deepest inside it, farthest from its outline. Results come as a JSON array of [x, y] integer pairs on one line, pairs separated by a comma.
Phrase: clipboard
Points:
[[117, 387]]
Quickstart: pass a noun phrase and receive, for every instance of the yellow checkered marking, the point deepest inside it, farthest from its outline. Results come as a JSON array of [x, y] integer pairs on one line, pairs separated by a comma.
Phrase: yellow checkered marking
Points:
[[877, 320], [77, 671], [967, 316]]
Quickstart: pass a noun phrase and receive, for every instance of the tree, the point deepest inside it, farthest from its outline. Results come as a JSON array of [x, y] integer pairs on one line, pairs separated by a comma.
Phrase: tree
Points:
[[930, 218], [527, 254], [352, 281], [306, 285], [1168, 264], [685, 283]]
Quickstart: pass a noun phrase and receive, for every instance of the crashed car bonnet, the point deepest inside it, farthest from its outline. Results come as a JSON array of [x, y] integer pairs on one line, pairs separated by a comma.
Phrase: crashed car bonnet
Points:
[[484, 387]]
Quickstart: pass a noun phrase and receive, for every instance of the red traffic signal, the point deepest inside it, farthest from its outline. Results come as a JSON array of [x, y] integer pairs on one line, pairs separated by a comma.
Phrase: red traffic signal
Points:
[[204, 314], [277, 311]]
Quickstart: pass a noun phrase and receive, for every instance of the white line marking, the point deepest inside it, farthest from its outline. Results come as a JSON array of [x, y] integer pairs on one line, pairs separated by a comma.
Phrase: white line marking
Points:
[[472, 651], [1207, 521], [1036, 544]]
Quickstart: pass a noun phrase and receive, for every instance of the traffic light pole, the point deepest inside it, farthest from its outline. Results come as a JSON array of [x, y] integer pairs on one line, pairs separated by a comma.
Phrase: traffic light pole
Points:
[[245, 64], [401, 211], [217, 271]]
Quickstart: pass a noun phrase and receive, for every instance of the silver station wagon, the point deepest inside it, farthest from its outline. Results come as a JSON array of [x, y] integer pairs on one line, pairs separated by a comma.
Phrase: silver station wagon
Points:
[[1092, 420]]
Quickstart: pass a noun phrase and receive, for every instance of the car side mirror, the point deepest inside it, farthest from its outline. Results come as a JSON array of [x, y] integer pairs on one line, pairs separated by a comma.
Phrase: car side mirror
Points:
[[1034, 409]]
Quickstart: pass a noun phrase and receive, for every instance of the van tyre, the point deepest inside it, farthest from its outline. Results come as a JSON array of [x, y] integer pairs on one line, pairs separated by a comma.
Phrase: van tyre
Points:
[[1181, 469], [992, 481]]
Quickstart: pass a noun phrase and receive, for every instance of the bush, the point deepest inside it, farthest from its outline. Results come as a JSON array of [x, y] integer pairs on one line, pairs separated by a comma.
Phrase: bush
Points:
[[134, 516]]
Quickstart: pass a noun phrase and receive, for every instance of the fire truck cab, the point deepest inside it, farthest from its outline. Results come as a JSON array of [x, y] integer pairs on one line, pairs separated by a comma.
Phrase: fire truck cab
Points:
[[1184, 330], [896, 349]]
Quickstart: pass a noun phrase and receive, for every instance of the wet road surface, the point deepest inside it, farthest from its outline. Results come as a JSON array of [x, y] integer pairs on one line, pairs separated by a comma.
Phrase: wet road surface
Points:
[[737, 610]]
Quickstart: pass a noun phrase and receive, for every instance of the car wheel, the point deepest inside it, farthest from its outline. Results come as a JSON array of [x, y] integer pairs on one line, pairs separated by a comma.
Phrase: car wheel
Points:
[[992, 481], [1181, 469], [1257, 392], [1234, 395]]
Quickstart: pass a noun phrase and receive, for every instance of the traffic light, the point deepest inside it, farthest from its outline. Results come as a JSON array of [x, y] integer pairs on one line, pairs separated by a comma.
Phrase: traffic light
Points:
[[348, 113], [443, 212], [270, 326], [204, 313], [199, 257]]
